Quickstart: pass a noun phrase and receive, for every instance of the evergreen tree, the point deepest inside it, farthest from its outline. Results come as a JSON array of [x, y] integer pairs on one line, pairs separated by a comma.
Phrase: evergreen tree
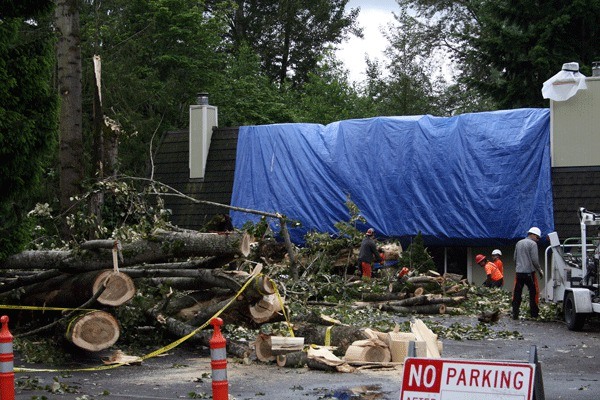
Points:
[[156, 56], [505, 49], [28, 112], [289, 35], [416, 257]]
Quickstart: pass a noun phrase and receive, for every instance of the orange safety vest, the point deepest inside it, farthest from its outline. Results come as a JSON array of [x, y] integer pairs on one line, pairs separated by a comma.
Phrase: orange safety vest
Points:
[[500, 266], [492, 269]]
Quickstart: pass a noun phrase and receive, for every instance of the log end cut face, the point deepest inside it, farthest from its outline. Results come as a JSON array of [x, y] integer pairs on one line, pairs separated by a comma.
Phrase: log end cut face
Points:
[[94, 331], [119, 288]]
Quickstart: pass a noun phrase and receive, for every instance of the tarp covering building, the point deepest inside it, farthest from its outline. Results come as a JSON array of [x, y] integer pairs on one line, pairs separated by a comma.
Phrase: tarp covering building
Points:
[[479, 179]]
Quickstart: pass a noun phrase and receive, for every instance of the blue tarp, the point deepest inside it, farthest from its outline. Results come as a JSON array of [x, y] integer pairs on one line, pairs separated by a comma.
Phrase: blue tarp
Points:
[[479, 179]]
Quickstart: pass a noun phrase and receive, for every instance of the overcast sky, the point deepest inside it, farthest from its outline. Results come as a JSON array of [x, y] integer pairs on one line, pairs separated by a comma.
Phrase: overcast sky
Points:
[[374, 14]]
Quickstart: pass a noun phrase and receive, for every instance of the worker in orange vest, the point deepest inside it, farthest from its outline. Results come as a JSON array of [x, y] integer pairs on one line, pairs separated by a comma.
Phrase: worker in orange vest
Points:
[[494, 276], [496, 254]]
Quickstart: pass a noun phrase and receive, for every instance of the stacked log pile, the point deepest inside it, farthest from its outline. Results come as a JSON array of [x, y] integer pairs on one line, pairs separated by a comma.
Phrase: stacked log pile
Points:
[[366, 348], [103, 274], [430, 293]]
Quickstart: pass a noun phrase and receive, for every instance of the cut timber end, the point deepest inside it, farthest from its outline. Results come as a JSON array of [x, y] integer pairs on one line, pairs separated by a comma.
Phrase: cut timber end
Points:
[[119, 288], [266, 309], [295, 359], [262, 346], [93, 331], [245, 245]]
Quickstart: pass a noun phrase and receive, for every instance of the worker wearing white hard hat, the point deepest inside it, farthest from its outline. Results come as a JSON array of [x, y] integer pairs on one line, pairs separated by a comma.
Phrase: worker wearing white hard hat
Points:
[[496, 259], [536, 231], [526, 265]]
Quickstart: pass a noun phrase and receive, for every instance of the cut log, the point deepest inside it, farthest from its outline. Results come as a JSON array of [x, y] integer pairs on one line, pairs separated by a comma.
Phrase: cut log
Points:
[[180, 329], [323, 359], [431, 309], [285, 344], [262, 346], [162, 246], [93, 331], [265, 310], [23, 281], [73, 290], [383, 296], [425, 279], [370, 350], [207, 279], [119, 288], [450, 301], [268, 347], [412, 301], [296, 359], [339, 336], [422, 332]]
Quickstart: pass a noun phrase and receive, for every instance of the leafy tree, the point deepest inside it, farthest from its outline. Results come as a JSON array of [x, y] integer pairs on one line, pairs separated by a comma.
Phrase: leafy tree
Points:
[[245, 95], [289, 35], [28, 112], [522, 44], [156, 56], [327, 96], [506, 49]]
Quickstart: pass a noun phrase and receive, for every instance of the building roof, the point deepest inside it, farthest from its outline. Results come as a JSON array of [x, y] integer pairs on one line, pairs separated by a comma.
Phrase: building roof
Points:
[[572, 187], [171, 167]]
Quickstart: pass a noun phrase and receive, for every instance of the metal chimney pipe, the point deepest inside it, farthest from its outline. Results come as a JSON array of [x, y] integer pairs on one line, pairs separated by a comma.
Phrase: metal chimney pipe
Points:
[[202, 98]]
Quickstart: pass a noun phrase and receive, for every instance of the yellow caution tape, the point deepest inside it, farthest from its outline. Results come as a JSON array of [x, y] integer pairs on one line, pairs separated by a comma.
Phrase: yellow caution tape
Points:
[[42, 308], [154, 353], [287, 319]]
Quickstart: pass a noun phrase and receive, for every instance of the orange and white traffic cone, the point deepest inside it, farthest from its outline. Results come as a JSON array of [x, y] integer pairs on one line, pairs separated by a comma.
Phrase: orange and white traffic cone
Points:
[[218, 362], [7, 374]]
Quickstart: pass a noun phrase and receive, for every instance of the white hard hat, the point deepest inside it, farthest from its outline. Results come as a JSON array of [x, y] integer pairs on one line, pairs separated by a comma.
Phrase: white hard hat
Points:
[[496, 252], [535, 230]]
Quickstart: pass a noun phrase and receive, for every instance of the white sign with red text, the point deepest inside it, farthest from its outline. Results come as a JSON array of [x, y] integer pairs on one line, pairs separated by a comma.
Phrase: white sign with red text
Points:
[[446, 379]]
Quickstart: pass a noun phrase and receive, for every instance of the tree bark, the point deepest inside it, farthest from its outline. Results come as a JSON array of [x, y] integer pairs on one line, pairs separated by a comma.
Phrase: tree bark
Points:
[[73, 290], [181, 329], [23, 281], [297, 359], [340, 336], [420, 309], [68, 54], [162, 246]]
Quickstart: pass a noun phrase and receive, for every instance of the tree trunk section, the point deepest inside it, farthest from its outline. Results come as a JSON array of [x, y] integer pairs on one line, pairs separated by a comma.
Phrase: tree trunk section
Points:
[[73, 290], [296, 359], [340, 336], [68, 55], [93, 331], [161, 247], [180, 329], [422, 309]]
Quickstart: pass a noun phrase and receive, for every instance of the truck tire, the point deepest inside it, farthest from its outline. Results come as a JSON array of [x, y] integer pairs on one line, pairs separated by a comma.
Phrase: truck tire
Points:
[[574, 321]]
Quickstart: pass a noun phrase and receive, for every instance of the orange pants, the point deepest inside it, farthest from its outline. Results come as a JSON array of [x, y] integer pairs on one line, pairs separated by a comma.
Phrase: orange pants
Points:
[[367, 269]]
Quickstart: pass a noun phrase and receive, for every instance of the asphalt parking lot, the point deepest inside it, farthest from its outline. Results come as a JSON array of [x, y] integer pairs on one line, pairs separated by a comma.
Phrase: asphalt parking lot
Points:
[[570, 369]]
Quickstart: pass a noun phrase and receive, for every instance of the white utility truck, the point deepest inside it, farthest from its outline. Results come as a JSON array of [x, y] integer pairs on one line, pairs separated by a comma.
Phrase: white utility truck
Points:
[[573, 269]]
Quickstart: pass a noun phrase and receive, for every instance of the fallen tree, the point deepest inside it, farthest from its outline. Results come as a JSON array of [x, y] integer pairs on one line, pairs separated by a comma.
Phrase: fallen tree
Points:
[[161, 246]]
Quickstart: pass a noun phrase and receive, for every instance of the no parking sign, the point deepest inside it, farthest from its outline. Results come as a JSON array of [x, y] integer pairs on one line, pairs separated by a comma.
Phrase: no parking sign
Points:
[[447, 379]]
